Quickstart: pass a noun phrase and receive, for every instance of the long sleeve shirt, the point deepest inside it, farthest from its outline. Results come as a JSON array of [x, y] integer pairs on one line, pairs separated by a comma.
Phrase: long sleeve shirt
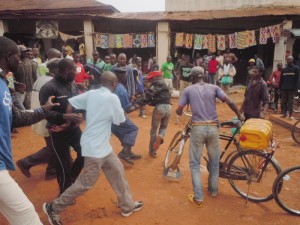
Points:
[[289, 78]]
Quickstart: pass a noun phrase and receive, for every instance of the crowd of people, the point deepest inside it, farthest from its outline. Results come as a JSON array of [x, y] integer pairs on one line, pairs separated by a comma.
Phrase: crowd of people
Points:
[[65, 92]]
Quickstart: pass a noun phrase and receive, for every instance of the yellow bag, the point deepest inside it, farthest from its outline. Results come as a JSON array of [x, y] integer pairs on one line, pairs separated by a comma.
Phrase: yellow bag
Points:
[[256, 134]]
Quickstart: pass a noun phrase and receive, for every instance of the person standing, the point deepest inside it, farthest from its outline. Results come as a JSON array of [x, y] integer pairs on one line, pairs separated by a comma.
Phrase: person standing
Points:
[[112, 61], [220, 58], [251, 65], [95, 66], [154, 66], [202, 98], [63, 137], [275, 79], [226, 74], [81, 76], [167, 70], [288, 86], [185, 71], [259, 62], [213, 67], [97, 151], [231, 56], [159, 97], [14, 204], [256, 96]]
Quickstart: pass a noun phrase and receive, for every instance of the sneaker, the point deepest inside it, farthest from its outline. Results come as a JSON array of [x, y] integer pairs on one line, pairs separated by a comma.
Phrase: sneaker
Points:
[[134, 156], [137, 206], [24, 170], [290, 118], [125, 157], [143, 116], [213, 194], [158, 142], [53, 218]]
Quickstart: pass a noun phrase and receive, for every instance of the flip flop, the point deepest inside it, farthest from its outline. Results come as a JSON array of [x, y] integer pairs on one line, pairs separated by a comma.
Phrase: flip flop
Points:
[[198, 204]]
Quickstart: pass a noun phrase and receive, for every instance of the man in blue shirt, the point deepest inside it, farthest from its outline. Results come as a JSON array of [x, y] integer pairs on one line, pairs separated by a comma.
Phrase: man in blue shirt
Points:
[[14, 205]]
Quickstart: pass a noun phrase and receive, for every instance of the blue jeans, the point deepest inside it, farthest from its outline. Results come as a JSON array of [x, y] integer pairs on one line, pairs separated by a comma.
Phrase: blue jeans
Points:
[[126, 132], [160, 117], [212, 78], [208, 135]]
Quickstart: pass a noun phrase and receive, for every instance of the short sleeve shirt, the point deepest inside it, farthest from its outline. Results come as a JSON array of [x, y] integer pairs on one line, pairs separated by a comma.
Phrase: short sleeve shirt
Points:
[[202, 99], [167, 69], [103, 109]]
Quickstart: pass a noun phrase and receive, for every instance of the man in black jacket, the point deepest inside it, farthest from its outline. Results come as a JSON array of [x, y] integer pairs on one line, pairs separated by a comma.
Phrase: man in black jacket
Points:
[[288, 86], [160, 98], [63, 136]]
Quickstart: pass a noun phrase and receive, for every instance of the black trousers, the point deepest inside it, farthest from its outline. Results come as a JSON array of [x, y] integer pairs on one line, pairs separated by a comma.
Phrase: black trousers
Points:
[[45, 155], [66, 171], [287, 99]]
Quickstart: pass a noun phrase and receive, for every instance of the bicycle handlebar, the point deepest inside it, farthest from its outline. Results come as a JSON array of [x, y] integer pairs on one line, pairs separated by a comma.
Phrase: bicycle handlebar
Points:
[[231, 124]]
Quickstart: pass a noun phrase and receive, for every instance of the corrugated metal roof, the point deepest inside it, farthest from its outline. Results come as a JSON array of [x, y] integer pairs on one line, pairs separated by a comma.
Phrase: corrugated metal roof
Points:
[[34, 5]]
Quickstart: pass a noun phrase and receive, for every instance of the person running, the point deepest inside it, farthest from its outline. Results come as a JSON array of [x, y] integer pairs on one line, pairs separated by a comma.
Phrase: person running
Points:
[[97, 151], [202, 98]]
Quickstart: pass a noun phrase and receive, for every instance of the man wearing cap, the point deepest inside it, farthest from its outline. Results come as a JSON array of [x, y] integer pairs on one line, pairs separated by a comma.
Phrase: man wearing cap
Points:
[[251, 66], [26, 74], [159, 96], [202, 98]]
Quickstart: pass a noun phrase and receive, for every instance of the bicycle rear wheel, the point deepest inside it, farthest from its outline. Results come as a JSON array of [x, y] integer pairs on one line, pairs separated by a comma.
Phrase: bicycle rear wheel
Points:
[[174, 151], [286, 190], [296, 132], [245, 169]]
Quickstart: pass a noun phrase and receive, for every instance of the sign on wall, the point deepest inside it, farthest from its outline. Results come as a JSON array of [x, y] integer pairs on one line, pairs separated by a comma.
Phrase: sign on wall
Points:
[[47, 29]]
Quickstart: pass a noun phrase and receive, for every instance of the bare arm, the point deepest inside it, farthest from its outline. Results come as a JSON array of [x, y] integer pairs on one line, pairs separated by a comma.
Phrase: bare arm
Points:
[[233, 107]]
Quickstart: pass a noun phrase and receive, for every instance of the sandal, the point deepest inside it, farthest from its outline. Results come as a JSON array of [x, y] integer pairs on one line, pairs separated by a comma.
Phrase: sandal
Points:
[[196, 203]]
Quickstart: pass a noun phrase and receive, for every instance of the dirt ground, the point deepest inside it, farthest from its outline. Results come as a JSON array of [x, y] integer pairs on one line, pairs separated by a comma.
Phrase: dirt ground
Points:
[[166, 202]]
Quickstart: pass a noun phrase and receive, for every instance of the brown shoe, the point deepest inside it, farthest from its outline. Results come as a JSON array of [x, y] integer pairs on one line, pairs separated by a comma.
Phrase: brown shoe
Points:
[[24, 170]]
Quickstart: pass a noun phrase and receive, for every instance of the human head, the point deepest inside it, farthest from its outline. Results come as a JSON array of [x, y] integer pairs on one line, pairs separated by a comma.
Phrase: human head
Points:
[[9, 55], [279, 66], [209, 52], [107, 59], [213, 56], [35, 52], [29, 53], [23, 50], [255, 56], [197, 56], [219, 53], [186, 59], [52, 65], [137, 61], [257, 72], [113, 58], [251, 62], [182, 56], [290, 60], [154, 59], [120, 73], [67, 70], [64, 51], [95, 55], [53, 53], [169, 58], [227, 60], [109, 80], [122, 59], [197, 74], [154, 76], [76, 57]]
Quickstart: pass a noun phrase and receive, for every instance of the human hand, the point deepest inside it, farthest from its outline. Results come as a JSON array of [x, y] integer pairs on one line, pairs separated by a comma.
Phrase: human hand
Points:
[[92, 77], [241, 118], [73, 117], [262, 115], [20, 87], [60, 128], [49, 104]]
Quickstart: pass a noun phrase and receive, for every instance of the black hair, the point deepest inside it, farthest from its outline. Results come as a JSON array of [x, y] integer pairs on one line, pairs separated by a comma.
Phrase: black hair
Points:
[[7, 45], [64, 64]]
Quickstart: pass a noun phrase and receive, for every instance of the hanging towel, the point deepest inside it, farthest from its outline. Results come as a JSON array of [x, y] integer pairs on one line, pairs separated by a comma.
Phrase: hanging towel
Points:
[[127, 41], [188, 41], [242, 38], [212, 43], [264, 34], [198, 38], [144, 40], [179, 40], [119, 40], [151, 40], [251, 38], [104, 40], [232, 40], [221, 42], [275, 32], [205, 42], [111, 41], [136, 42]]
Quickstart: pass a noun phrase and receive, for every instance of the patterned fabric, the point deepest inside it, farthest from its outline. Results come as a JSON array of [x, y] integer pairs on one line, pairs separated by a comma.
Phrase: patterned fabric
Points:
[[144, 40], [232, 40], [275, 32], [198, 38], [97, 40], [188, 42], [136, 42], [251, 38], [205, 42], [179, 40], [151, 40], [212, 43], [264, 34], [127, 41], [111, 41], [119, 40], [242, 40], [221, 42], [104, 40]]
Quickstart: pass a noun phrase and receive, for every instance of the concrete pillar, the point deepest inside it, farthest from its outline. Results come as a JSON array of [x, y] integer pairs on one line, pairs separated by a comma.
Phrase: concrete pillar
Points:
[[285, 44], [162, 42], [3, 27], [88, 27]]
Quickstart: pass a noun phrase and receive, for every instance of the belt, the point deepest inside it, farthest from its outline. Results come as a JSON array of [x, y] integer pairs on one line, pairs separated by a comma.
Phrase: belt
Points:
[[204, 123]]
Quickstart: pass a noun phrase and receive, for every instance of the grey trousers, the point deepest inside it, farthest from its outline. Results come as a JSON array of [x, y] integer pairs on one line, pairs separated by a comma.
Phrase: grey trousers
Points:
[[113, 170]]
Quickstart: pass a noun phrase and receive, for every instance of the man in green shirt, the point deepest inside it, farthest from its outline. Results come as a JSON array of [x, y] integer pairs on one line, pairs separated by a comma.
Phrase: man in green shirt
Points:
[[111, 61], [167, 70]]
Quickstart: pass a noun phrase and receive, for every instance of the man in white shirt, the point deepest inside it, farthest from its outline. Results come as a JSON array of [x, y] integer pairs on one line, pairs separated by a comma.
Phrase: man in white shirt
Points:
[[103, 108]]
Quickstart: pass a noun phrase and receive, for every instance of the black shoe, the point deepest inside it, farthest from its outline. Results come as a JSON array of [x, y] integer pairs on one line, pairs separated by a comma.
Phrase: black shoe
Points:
[[125, 157], [24, 170], [134, 156], [53, 218], [137, 206]]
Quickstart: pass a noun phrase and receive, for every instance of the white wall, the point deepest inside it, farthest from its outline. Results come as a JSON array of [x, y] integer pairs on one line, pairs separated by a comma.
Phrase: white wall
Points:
[[205, 5]]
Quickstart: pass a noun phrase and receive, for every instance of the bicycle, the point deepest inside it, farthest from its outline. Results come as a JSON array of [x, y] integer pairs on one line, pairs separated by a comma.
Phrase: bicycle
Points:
[[242, 168], [296, 103], [296, 131], [286, 190]]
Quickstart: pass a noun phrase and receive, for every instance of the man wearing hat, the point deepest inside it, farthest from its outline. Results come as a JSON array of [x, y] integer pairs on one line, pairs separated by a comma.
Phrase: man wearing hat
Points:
[[160, 98], [26, 74], [251, 66], [202, 98]]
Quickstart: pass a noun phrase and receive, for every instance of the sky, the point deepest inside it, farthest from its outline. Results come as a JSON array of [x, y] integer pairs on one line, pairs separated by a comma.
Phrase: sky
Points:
[[136, 5]]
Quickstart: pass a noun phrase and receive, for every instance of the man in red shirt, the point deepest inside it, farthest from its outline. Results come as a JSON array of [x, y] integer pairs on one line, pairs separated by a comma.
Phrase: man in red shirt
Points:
[[213, 67], [275, 79], [81, 76]]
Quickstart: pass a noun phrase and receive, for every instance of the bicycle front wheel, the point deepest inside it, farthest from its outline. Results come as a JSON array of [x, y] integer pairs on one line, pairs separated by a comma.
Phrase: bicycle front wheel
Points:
[[174, 151], [248, 179], [286, 190], [296, 132]]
